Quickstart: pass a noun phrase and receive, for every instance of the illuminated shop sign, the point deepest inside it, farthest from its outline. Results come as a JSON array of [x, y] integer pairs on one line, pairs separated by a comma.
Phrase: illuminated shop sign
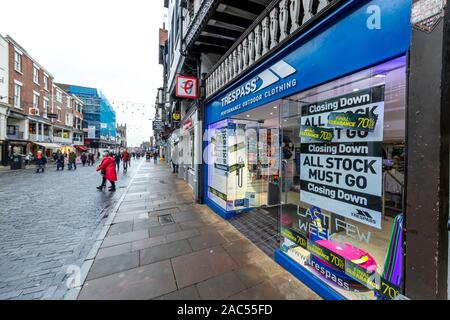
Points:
[[186, 87]]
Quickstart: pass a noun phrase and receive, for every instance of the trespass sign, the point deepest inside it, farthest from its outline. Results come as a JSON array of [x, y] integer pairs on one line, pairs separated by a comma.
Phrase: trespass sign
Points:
[[344, 175]]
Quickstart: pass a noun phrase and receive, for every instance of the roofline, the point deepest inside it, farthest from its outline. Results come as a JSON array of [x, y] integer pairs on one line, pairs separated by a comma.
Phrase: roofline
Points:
[[16, 44]]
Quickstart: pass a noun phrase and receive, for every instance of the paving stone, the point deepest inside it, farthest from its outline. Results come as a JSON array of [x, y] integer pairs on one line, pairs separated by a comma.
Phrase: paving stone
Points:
[[163, 230], [244, 252], [114, 264], [206, 240], [251, 275], [201, 265], [145, 224], [182, 235], [124, 238], [165, 251], [220, 287], [263, 291], [114, 251], [186, 294], [148, 243], [192, 224], [119, 228], [185, 216], [141, 283]]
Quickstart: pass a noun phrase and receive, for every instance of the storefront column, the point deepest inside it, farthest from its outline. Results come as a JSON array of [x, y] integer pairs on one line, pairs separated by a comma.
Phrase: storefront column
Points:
[[427, 202]]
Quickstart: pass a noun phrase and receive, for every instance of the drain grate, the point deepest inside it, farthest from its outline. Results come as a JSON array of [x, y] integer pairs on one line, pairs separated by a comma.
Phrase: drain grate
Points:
[[165, 219]]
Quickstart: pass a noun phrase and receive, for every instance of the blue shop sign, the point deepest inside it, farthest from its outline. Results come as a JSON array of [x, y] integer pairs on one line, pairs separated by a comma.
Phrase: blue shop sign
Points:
[[358, 35]]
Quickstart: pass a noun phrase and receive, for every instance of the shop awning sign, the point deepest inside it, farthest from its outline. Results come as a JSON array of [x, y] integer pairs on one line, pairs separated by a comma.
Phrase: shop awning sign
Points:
[[186, 87], [158, 125]]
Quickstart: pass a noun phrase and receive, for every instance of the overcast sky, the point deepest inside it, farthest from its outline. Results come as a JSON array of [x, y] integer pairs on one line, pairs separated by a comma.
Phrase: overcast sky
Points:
[[108, 44]]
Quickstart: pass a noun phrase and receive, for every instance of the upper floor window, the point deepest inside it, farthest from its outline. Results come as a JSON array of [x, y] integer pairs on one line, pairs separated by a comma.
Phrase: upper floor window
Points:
[[17, 61], [35, 101], [45, 82], [68, 102], [58, 96], [17, 95], [45, 107], [36, 75]]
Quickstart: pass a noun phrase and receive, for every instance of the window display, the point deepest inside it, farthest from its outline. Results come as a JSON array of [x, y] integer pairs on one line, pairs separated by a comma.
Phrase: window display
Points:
[[243, 164], [347, 228]]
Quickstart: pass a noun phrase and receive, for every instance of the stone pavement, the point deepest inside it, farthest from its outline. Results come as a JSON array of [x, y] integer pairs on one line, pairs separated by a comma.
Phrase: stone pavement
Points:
[[48, 225], [161, 245]]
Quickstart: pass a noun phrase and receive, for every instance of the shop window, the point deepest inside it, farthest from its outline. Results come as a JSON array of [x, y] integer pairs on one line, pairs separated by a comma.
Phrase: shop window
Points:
[[343, 218], [243, 164], [333, 160]]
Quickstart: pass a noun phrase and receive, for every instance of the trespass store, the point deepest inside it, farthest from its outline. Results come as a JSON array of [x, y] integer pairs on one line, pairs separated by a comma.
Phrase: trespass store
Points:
[[315, 139]]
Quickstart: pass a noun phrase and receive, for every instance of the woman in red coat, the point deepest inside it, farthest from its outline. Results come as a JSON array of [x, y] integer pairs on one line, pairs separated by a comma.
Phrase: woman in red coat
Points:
[[108, 169]]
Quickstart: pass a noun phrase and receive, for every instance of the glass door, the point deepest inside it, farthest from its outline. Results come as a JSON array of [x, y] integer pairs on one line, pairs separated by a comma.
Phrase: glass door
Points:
[[289, 154]]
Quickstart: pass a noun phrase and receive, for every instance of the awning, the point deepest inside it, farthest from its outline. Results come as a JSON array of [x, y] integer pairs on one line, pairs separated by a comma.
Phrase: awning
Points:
[[82, 148], [48, 145]]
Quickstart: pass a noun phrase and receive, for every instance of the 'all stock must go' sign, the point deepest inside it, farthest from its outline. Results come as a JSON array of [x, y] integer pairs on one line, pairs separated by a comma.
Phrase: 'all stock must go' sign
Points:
[[343, 173]]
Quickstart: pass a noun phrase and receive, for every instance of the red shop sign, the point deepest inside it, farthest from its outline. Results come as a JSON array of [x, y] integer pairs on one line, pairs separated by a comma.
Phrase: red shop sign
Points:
[[188, 124]]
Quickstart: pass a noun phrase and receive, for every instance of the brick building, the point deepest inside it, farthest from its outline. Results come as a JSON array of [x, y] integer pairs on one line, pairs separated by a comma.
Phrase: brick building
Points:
[[41, 115], [31, 98]]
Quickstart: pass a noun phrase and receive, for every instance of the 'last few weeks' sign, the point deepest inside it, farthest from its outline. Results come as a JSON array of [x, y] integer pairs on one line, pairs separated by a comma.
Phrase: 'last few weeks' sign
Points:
[[344, 176]]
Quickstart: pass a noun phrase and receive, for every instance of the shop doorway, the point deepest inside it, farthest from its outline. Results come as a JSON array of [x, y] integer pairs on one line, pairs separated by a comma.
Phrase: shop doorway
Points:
[[255, 175]]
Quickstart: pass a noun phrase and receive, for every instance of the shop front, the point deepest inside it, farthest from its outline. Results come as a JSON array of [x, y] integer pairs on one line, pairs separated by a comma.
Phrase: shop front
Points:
[[317, 134], [188, 148]]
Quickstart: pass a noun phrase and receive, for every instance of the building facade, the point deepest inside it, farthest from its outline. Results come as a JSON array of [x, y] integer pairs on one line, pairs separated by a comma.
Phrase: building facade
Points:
[[4, 103], [121, 136], [199, 34], [30, 96], [99, 117], [316, 127]]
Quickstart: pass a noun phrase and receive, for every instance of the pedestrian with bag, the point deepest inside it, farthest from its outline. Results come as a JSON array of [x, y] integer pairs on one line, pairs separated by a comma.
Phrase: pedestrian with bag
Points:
[[28, 158], [60, 159], [108, 170], [72, 161], [41, 161]]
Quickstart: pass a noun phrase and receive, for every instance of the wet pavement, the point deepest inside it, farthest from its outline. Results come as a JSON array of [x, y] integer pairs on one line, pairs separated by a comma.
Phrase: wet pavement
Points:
[[48, 225], [159, 244]]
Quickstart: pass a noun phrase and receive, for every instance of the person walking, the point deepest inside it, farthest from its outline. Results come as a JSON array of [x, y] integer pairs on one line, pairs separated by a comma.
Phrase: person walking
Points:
[[91, 159], [60, 161], [41, 161], [83, 159], [108, 169], [28, 158], [72, 161], [155, 158], [126, 159], [117, 159], [175, 158]]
